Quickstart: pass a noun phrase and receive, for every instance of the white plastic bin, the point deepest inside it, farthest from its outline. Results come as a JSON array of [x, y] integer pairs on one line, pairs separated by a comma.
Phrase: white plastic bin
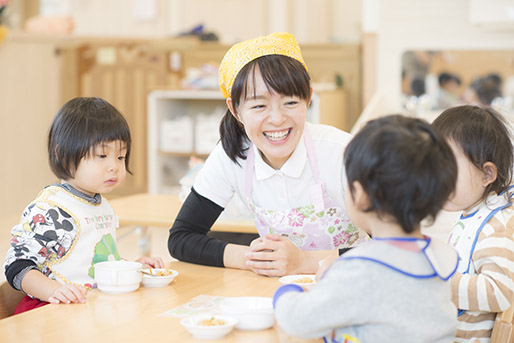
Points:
[[207, 131], [177, 135]]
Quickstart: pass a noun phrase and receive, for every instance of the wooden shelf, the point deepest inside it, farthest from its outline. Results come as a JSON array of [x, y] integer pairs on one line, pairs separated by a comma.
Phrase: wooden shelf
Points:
[[181, 154]]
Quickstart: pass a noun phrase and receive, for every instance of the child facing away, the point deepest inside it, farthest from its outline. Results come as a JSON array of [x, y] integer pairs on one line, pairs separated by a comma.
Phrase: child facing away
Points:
[[483, 235], [70, 226], [393, 288]]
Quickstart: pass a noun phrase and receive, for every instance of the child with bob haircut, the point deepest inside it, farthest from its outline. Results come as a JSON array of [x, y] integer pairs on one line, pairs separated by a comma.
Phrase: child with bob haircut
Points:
[[70, 226], [483, 234], [394, 287]]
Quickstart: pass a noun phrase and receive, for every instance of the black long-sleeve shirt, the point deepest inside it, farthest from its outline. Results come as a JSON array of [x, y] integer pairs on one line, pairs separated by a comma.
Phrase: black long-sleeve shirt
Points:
[[188, 240]]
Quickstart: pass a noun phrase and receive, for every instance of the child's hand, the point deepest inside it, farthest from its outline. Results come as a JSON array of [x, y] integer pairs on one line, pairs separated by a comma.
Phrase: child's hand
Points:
[[323, 266], [152, 262], [68, 294]]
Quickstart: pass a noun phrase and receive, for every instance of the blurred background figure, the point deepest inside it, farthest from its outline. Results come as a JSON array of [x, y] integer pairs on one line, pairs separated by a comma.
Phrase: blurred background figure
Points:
[[483, 90], [449, 87], [415, 65], [417, 87]]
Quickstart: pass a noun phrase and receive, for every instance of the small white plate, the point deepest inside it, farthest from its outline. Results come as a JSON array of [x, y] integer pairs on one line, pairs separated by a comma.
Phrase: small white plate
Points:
[[252, 313], [304, 280], [193, 324], [158, 281]]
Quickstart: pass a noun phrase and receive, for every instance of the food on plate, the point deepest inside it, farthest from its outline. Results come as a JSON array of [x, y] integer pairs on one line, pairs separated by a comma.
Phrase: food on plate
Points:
[[303, 279], [211, 322], [163, 272]]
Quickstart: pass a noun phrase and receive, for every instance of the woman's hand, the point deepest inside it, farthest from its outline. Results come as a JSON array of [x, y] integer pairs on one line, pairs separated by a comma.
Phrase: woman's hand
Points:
[[68, 294], [151, 262], [274, 255]]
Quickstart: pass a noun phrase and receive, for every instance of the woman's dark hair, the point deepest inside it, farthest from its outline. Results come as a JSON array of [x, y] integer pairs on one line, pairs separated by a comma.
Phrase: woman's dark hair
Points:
[[281, 74], [483, 136], [80, 125], [406, 168]]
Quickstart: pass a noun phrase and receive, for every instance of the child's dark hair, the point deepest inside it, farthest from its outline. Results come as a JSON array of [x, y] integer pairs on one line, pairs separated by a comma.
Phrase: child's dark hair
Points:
[[406, 168], [80, 125], [445, 77], [282, 74], [483, 136]]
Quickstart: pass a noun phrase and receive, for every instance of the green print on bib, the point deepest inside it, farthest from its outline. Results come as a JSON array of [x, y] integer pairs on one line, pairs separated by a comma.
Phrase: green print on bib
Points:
[[103, 250]]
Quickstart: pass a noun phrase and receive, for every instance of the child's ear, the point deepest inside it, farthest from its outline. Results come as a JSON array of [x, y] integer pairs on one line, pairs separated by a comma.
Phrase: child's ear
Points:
[[490, 173], [361, 198]]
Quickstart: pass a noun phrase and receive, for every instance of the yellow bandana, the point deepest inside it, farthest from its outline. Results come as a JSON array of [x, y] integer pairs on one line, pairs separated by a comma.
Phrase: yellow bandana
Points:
[[278, 43]]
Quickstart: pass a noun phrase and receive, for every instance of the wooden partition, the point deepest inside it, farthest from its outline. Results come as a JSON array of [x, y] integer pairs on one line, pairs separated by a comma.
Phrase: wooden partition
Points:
[[37, 77], [122, 72]]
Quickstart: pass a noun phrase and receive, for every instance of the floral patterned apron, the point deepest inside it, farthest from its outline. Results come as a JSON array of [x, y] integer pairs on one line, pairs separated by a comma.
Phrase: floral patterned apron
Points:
[[320, 225], [465, 232]]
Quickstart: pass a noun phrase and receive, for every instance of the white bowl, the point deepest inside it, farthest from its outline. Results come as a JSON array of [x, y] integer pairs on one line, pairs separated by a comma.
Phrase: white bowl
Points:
[[158, 281], [118, 277], [194, 326], [304, 280], [252, 313]]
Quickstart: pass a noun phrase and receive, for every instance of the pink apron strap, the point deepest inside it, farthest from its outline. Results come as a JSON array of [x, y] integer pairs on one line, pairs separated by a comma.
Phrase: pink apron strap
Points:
[[311, 154], [317, 193], [250, 162]]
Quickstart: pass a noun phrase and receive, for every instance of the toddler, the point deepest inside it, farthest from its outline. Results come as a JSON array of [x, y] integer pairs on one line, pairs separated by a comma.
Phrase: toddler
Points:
[[394, 287], [69, 226], [483, 235]]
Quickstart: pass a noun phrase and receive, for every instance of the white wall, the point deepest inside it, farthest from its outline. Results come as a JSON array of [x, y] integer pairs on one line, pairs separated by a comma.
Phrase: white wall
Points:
[[346, 21], [419, 24], [312, 21]]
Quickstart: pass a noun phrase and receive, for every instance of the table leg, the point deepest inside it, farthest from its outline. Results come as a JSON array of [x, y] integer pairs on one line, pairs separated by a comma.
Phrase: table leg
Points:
[[145, 234]]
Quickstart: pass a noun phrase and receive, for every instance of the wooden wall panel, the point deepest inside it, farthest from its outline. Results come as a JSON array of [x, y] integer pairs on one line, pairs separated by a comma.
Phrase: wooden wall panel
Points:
[[30, 95], [124, 80], [369, 67], [326, 61]]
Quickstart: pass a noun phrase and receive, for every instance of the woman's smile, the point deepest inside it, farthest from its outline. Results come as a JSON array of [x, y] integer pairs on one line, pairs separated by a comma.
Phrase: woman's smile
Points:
[[277, 136]]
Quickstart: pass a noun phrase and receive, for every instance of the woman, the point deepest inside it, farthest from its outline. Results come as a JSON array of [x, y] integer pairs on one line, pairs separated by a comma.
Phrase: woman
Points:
[[289, 174]]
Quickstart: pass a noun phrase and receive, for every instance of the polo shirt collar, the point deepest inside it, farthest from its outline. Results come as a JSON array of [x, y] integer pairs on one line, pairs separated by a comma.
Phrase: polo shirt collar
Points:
[[293, 167]]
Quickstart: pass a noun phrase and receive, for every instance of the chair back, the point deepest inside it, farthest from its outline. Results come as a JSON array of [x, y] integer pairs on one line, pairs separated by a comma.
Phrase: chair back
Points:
[[503, 329], [9, 299]]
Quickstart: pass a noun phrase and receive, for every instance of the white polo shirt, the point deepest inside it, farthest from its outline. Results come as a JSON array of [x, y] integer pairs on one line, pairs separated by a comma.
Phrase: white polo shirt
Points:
[[289, 187]]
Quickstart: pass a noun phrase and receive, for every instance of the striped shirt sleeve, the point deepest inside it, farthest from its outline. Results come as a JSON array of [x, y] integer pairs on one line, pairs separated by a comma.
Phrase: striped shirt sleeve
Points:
[[491, 288]]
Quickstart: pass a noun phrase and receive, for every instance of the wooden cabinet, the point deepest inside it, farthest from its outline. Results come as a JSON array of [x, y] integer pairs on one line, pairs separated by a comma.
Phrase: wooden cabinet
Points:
[[330, 107]]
